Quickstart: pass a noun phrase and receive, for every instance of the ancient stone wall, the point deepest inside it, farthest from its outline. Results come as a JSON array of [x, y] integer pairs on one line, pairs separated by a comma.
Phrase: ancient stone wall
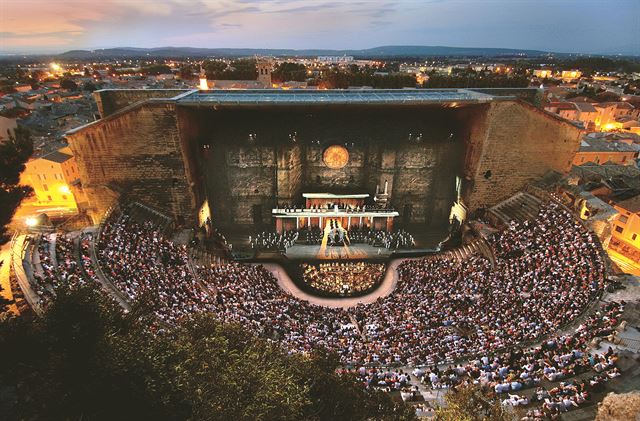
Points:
[[112, 100], [136, 153], [245, 163], [320, 178], [511, 144], [289, 173]]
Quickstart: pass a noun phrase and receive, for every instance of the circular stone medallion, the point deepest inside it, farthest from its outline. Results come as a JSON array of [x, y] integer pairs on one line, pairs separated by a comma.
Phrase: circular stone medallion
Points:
[[335, 157]]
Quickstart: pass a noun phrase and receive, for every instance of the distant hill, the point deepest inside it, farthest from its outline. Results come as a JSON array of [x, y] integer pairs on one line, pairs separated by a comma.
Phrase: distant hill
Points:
[[389, 51]]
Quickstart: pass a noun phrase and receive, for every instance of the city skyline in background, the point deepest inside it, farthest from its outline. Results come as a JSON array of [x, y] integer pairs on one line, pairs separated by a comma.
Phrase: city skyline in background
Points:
[[570, 26]]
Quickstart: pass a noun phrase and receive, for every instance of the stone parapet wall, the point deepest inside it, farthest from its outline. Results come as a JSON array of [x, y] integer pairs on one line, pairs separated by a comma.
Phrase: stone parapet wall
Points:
[[111, 100]]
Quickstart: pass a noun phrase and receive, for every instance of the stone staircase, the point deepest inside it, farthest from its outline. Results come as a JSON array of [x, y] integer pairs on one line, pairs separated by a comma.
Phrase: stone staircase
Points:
[[520, 207], [476, 246]]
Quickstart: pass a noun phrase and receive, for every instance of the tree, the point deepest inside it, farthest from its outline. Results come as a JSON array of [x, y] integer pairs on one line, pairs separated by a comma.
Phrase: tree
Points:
[[69, 85], [470, 403], [289, 71], [156, 69], [214, 68], [13, 155], [86, 359], [89, 86]]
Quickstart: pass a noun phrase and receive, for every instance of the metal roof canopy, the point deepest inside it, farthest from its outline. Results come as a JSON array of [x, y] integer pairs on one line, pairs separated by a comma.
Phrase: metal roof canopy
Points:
[[265, 97]]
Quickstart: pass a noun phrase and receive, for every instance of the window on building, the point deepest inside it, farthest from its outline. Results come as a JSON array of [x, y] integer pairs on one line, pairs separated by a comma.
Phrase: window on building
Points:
[[623, 219], [634, 236], [49, 197], [45, 187], [64, 197], [619, 229]]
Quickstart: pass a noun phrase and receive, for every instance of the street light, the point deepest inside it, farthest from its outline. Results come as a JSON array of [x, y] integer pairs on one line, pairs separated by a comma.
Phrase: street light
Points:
[[31, 221]]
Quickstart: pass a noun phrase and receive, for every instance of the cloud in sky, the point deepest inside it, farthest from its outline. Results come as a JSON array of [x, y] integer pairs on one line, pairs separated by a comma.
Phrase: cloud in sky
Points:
[[558, 25]]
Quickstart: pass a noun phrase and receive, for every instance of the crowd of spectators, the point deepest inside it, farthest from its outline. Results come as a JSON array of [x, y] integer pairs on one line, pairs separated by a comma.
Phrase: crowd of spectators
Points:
[[63, 271], [343, 278], [547, 271], [552, 271], [144, 264], [45, 279], [251, 296]]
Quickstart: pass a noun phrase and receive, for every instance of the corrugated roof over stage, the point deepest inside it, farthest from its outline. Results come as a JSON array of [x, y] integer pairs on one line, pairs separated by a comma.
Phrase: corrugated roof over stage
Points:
[[269, 97]]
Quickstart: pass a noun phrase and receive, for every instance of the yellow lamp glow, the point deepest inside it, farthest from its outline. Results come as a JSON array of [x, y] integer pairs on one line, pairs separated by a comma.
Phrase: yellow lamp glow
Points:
[[31, 222], [64, 189]]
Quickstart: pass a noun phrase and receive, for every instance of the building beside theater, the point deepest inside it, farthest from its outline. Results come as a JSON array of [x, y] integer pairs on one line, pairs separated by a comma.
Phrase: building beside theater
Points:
[[246, 154], [54, 178]]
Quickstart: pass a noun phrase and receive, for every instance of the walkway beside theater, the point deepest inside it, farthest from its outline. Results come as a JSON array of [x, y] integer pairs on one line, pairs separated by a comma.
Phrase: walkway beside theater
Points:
[[388, 284]]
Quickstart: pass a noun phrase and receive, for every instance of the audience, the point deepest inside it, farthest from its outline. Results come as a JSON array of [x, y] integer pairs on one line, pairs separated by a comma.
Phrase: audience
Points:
[[441, 312], [63, 272], [547, 272]]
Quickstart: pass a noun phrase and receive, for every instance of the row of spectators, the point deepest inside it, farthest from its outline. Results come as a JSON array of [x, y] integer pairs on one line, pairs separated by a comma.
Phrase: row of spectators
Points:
[[561, 361], [144, 264], [63, 271], [343, 278]]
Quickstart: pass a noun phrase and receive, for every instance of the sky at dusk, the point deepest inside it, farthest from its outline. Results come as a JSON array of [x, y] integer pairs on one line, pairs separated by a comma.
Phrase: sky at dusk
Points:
[[589, 26]]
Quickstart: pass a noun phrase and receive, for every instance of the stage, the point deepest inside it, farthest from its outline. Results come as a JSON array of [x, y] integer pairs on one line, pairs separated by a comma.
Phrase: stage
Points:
[[354, 251]]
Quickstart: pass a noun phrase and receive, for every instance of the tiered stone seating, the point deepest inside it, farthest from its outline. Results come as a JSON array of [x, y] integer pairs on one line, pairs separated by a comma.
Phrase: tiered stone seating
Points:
[[520, 207]]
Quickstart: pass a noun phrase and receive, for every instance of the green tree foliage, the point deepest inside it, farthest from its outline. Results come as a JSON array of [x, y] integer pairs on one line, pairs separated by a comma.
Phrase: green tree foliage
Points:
[[156, 69], [89, 86], [187, 72], [244, 69], [589, 65], [13, 155], [214, 68], [470, 403], [339, 79], [473, 80], [289, 71], [86, 359], [69, 85]]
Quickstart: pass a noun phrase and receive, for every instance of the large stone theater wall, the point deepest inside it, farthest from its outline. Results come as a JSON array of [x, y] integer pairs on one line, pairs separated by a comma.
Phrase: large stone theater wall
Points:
[[174, 157], [510, 144], [245, 178], [136, 153]]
